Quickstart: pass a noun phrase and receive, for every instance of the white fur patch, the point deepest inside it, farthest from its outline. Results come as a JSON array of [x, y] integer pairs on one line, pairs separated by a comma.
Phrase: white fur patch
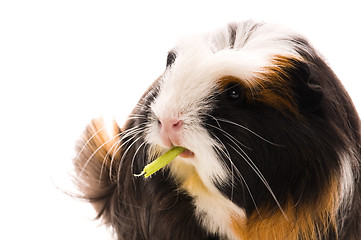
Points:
[[346, 182], [214, 210]]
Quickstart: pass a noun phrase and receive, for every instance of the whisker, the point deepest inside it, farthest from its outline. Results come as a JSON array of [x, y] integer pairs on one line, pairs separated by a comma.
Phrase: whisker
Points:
[[137, 116], [225, 152], [222, 152], [250, 194], [261, 177], [215, 119], [125, 153], [239, 175], [87, 142], [228, 135], [227, 155], [249, 130], [132, 131], [112, 158], [140, 106], [118, 148], [131, 135], [95, 152], [249, 161], [133, 159]]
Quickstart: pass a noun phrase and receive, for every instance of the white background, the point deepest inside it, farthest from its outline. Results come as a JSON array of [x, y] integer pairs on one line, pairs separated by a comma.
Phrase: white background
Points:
[[65, 62]]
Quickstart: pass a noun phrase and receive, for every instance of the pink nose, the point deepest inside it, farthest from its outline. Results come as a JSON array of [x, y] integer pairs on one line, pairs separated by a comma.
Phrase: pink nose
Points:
[[171, 124], [170, 131]]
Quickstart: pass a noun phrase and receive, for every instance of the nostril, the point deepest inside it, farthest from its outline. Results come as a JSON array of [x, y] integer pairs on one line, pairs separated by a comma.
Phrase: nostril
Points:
[[176, 124], [170, 124]]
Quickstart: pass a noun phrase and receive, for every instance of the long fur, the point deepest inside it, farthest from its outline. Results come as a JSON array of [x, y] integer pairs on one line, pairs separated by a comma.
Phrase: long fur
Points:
[[275, 137]]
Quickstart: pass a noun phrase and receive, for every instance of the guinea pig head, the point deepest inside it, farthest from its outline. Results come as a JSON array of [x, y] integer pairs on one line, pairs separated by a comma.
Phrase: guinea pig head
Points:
[[213, 96]]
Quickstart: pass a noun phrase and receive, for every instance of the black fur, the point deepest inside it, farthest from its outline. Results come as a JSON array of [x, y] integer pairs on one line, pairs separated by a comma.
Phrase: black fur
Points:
[[171, 58]]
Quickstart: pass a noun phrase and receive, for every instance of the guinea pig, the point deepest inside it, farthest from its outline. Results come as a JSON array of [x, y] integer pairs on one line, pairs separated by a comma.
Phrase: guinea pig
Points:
[[272, 138]]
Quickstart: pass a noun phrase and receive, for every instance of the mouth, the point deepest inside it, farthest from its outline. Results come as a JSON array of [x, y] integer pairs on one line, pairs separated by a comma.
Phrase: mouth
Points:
[[187, 154]]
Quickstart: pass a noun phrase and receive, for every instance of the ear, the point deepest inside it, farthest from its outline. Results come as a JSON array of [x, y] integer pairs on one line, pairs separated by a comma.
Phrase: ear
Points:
[[98, 151], [311, 97], [308, 92]]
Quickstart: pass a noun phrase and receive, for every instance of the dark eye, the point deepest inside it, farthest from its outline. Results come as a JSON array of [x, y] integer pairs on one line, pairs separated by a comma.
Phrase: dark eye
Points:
[[171, 58], [234, 92]]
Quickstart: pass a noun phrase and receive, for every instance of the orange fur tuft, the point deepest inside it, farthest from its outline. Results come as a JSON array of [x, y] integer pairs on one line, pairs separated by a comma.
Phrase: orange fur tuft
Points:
[[310, 221], [98, 150]]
